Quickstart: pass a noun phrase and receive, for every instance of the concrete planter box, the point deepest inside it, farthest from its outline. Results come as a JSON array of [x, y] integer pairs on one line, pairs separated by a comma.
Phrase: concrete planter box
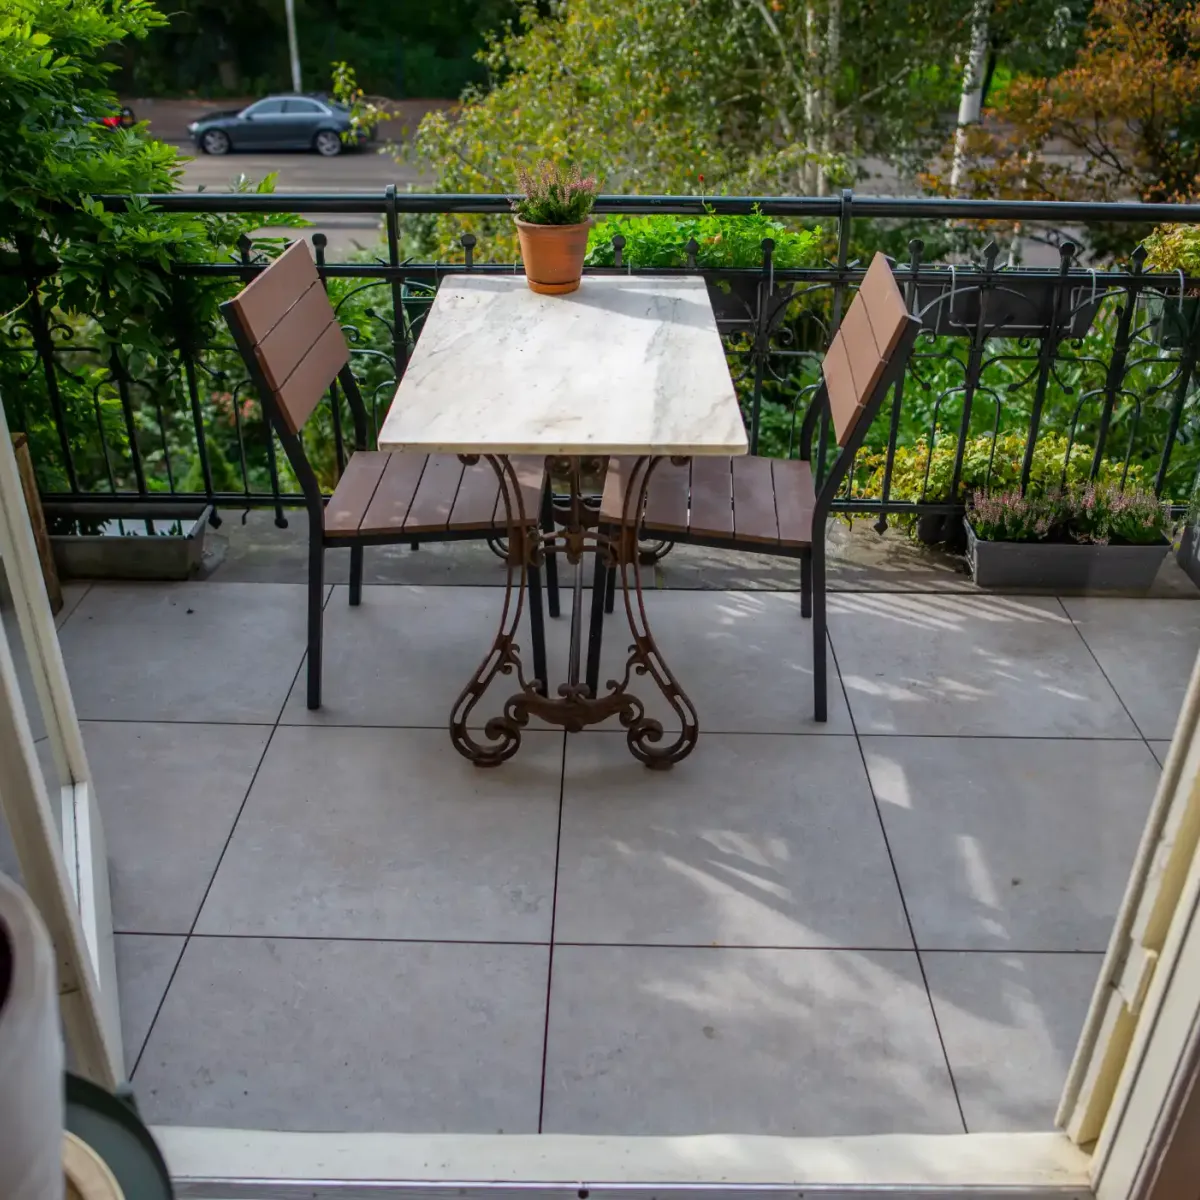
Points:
[[1059, 566], [109, 540]]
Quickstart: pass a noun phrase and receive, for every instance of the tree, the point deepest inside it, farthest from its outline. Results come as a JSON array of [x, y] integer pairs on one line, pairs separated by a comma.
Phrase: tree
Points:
[[68, 261], [1122, 122]]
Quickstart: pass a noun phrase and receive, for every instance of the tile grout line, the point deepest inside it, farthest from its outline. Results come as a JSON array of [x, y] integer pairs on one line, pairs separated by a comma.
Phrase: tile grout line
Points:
[[912, 933], [1104, 674], [216, 867], [753, 948], [562, 787], [59, 628]]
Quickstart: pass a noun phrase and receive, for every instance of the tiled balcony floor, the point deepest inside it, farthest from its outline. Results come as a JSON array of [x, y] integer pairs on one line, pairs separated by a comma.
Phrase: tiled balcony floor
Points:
[[889, 923]]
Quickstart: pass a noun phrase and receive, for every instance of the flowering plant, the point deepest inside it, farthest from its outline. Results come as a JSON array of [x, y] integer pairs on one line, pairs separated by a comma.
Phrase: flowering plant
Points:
[[555, 195], [1096, 513]]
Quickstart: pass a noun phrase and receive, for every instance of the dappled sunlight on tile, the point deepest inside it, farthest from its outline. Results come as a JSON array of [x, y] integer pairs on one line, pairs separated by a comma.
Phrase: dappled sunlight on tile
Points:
[[970, 665]]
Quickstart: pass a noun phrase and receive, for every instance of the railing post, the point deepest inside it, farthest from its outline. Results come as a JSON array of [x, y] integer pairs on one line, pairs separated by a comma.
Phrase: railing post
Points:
[[1046, 359], [974, 367], [399, 319], [762, 338], [43, 344], [1115, 375], [915, 249], [1187, 367]]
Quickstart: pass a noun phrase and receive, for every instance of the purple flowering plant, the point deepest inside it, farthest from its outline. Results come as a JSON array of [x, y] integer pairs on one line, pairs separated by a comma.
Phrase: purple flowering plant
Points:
[[1096, 513], [555, 195]]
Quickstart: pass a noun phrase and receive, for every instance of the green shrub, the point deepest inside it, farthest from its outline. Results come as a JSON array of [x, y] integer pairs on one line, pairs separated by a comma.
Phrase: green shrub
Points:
[[722, 241]]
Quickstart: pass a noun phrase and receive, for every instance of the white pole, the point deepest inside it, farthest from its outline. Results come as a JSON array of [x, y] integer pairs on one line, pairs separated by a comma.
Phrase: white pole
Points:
[[970, 102], [293, 45]]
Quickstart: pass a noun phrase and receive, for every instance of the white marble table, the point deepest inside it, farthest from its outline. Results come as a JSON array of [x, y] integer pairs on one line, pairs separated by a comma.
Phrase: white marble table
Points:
[[623, 366]]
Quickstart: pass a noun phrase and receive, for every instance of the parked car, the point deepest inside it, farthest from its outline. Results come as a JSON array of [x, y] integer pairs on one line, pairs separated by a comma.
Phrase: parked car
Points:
[[277, 123]]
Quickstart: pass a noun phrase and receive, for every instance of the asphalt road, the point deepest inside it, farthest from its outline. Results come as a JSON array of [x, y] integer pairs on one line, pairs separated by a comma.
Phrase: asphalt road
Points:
[[355, 171]]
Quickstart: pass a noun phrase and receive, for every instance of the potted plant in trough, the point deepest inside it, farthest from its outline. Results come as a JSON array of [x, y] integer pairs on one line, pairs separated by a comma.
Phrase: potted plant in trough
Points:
[[1096, 538], [728, 248], [1176, 248], [553, 219]]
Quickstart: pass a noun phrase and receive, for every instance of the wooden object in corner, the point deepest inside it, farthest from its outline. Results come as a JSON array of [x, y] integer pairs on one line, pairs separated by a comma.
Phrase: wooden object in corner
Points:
[[41, 535]]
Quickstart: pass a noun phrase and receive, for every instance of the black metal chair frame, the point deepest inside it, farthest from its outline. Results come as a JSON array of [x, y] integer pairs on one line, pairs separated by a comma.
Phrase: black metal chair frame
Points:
[[319, 540], [812, 556]]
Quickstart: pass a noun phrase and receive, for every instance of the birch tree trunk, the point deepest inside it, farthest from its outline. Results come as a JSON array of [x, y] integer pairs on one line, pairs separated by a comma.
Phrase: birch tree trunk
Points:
[[830, 70], [971, 100], [812, 93]]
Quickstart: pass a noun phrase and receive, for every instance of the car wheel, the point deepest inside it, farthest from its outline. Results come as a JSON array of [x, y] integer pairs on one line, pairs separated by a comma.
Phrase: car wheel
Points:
[[213, 141], [327, 143]]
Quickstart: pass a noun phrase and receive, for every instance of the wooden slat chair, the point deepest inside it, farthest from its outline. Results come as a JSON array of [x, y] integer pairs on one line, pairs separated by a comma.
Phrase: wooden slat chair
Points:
[[771, 506], [287, 333]]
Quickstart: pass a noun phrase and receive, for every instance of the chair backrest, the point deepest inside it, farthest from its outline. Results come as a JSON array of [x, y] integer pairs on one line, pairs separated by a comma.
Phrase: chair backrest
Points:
[[285, 320], [863, 345]]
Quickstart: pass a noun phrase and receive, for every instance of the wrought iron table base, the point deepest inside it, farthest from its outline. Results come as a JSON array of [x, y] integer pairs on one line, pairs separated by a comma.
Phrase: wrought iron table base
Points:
[[576, 704]]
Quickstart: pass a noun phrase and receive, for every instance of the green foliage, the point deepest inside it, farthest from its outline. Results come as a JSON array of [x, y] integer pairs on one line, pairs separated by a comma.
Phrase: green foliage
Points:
[[649, 93], [554, 195], [989, 464], [1174, 248], [1090, 514], [400, 47], [723, 241], [365, 115], [108, 278]]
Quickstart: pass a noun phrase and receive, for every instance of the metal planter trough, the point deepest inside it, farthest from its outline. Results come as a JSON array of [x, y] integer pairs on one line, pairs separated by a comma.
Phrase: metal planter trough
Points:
[[734, 298], [110, 540], [1018, 306], [1063, 567]]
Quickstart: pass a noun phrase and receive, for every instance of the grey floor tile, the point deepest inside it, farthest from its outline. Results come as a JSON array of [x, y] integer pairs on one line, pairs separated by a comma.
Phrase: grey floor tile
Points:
[[978, 665], [744, 658], [1147, 649], [1160, 751], [1005, 843], [144, 966], [402, 657], [1010, 1023], [790, 1042], [390, 833], [362, 1036], [168, 795], [72, 594], [753, 840], [185, 651]]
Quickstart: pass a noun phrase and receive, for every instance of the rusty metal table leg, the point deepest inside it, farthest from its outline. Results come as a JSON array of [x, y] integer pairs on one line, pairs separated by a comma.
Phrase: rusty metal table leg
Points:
[[577, 703]]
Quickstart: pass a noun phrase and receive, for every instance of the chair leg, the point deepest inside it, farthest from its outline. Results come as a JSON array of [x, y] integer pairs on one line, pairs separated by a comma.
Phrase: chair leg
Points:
[[551, 557], [820, 641], [356, 574], [806, 583], [316, 600], [610, 590], [600, 582], [537, 629]]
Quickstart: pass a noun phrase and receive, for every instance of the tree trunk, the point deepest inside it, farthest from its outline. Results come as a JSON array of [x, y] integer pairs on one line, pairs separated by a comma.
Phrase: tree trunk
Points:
[[970, 102], [831, 68], [812, 93]]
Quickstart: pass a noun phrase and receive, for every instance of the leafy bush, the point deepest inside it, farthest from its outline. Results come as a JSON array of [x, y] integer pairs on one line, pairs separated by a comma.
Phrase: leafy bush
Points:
[[989, 464], [1097, 514], [722, 241], [1174, 248], [554, 195]]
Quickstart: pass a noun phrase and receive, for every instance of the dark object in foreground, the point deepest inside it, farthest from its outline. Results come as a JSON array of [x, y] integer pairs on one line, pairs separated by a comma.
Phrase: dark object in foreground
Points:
[[1063, 566]]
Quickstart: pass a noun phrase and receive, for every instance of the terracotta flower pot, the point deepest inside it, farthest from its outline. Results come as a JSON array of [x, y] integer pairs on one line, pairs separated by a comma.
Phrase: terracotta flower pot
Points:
[[553, 255]]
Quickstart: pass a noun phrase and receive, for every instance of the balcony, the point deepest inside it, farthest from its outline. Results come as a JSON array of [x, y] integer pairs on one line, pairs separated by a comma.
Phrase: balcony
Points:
[[893, 922], [890, 922]]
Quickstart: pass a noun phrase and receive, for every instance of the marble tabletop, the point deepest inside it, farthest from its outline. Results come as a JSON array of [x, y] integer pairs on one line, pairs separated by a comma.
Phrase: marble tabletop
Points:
[[624, 365]]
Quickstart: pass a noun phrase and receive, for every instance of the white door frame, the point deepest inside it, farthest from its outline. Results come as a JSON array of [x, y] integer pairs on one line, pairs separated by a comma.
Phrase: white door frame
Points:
[[67, 879]]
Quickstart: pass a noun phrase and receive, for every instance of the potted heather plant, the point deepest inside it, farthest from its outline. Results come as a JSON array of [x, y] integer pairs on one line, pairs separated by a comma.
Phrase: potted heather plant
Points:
[[1093, 538], [553, 218]]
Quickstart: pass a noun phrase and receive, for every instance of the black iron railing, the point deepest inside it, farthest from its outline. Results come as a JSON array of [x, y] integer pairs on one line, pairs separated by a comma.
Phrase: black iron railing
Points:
[[1022, 376]]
